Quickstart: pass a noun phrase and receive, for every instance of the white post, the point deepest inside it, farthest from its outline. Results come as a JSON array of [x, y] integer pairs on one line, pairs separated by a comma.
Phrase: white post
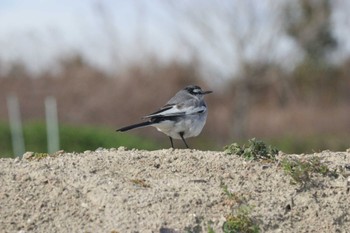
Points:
[[15, 125], [53, 141]]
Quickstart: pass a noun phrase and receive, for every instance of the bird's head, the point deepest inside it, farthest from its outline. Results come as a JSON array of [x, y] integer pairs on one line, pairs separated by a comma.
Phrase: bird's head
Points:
[[196, 90]]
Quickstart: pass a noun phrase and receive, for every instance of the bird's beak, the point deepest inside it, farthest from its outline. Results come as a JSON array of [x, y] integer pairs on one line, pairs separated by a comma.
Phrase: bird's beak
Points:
[[206, 92]]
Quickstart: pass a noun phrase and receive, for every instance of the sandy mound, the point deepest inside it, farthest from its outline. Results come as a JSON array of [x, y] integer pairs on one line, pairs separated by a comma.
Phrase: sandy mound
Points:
[[167, 191]]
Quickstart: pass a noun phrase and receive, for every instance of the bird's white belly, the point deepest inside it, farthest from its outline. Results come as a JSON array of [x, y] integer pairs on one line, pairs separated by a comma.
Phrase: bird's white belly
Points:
[[191, 127]]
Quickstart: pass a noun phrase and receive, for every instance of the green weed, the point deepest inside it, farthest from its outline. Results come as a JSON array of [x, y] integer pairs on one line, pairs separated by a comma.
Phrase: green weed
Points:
[[232, 198], [302, 170], [240, 222], [35, 155], [255, 150], [40, 155], [209, 228]]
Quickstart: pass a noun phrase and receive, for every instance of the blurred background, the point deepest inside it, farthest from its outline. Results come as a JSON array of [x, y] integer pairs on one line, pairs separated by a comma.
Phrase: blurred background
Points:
[[280, 71]]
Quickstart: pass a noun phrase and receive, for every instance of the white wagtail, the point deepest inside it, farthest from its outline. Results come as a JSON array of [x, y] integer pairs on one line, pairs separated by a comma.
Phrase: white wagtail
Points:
[[183, 116]]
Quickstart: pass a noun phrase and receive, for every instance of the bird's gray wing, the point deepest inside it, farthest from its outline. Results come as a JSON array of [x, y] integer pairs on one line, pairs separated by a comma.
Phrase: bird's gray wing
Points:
[[175, 110], [167, 111], [180, 105]]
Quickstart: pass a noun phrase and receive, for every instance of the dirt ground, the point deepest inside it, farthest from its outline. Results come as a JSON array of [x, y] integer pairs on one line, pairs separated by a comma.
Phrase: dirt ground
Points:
[[116, 190]]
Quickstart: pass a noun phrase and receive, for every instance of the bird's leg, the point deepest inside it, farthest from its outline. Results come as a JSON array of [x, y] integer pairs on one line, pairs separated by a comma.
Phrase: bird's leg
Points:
[[182, 137], [171, 141]]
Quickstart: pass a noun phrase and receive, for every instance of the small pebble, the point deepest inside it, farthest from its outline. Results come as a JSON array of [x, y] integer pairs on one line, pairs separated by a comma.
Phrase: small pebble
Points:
[[28, 155], [100, 149], [17, 160], [57, 153], [122, 148], [113, 150]]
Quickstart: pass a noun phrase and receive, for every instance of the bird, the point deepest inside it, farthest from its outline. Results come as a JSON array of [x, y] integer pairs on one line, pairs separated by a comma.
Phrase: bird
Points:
[[183, 116]]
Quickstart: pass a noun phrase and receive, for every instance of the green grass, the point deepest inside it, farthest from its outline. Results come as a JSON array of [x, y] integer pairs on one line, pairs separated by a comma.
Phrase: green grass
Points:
[[312, 143], [72, 138], [5, 141], [81, 138]]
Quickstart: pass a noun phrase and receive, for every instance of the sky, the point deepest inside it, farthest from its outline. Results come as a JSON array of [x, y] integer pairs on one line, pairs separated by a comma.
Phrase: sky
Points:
[[111, 34], [47, 29]]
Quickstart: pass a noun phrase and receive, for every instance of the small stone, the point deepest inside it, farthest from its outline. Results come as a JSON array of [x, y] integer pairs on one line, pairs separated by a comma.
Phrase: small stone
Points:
[[28, 155], [226, 175], [17, 159], [287, 208], [122, 148], [84, 205], [113, 150], [347, 166], [100, 149], [57, 153]]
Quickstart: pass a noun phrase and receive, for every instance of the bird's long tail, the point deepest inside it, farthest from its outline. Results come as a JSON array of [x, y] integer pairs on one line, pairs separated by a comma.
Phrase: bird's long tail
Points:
[[139, 125]]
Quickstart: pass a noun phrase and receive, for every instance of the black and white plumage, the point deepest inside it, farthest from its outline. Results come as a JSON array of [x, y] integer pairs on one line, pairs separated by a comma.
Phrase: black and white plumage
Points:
[[183, 116]]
